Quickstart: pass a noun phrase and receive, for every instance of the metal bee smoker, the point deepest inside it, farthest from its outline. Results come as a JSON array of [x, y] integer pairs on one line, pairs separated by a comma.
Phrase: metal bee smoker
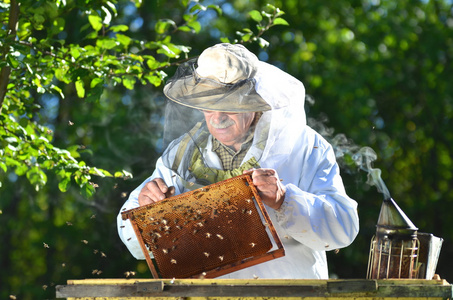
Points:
[[394, 250]]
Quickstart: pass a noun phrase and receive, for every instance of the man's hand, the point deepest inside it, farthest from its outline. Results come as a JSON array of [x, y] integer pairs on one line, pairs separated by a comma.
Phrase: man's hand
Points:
[[270, 189], [154, 191]]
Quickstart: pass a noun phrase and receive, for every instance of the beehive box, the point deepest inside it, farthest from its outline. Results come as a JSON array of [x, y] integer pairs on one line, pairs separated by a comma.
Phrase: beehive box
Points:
[[207, 232]]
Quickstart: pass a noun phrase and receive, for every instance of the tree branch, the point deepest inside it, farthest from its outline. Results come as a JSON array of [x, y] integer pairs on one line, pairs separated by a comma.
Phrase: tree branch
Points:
[[12, 29]]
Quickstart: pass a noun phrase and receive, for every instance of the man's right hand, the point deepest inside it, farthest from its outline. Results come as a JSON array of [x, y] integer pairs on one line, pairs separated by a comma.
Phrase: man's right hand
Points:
[[154, 191]]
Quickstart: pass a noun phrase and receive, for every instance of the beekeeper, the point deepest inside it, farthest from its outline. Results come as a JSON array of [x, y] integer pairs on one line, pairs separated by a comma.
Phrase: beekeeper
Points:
[[231, 114]]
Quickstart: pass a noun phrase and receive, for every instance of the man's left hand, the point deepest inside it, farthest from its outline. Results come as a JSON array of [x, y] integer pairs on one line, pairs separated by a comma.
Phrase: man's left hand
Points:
[[269, 186]]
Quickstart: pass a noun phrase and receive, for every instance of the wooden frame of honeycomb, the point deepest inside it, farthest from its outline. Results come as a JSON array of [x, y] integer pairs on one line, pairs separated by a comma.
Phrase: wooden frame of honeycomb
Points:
[[207, 232]]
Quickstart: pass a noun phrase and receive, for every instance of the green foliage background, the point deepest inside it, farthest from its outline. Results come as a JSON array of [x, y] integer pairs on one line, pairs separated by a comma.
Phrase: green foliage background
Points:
[[83, 107]]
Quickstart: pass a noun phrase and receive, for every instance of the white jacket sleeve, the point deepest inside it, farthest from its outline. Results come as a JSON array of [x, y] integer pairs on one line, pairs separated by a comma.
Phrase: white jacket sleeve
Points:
[[125, 229], [317, 211]]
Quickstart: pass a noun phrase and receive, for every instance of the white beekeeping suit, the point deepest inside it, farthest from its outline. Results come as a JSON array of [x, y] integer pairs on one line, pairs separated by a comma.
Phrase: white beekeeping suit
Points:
[[316, 216]]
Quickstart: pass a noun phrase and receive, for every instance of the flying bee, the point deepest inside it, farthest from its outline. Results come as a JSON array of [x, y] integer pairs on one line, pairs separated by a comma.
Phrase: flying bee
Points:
[[69, 223], [165, 251], [219, 236], [252, 244], [103, 254], [164, 221], [206, 254], [208, 235], [46, 246], [221, 257], [249, 212], [84, 241], [173, 261]]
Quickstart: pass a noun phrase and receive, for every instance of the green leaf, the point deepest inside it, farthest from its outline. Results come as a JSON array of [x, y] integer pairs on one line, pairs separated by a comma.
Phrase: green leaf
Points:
[[95, 21], [107, 43], [80, 88], [162, 25], [123, 39], [129, 82], [280, 21], [216, 8], [185, 28], [87, 190], [118, 28], [256, 16], [56, 88], [64, 184], [154, 80], [74, 52]]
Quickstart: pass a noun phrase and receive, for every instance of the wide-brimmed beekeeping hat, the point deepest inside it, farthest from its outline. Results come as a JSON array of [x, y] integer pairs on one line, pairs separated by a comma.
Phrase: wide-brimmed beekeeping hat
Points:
[[221, 79]]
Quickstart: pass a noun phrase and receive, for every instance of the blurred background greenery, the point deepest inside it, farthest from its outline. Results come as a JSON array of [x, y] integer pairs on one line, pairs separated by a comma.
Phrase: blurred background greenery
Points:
[[377, 71]]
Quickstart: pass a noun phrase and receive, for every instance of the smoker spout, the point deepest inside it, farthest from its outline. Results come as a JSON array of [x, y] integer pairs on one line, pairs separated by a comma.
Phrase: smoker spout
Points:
[[394, 222]]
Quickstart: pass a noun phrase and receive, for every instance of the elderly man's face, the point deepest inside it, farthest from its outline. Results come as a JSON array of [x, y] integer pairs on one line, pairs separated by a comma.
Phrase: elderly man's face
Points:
[[229, 128]]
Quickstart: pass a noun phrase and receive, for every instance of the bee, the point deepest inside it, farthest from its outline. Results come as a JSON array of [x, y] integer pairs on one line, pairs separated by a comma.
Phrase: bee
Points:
[[129, 273], [70, 123], [69, 223], [195, 231], [206, 254], [84, 241], [103, 254], [208, 235], [122, 226], [95, 251], [178, 227], [173, 261], [248, 200], [129, 239], [221, 257], [327, 246], [249, 212], [200, 224], [63, 265], [165, 251], [164, 221], [44, 287], [337, 251], [219, 236], [94, 271], [46, 246], [252, 244], [93, 217]]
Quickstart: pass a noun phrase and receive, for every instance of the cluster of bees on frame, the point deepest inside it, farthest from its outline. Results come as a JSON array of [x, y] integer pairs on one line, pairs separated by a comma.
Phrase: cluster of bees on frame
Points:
[[162, 225]]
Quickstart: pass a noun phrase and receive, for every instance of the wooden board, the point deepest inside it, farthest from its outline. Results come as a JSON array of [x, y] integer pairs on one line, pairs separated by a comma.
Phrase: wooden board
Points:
[[257, 289]]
